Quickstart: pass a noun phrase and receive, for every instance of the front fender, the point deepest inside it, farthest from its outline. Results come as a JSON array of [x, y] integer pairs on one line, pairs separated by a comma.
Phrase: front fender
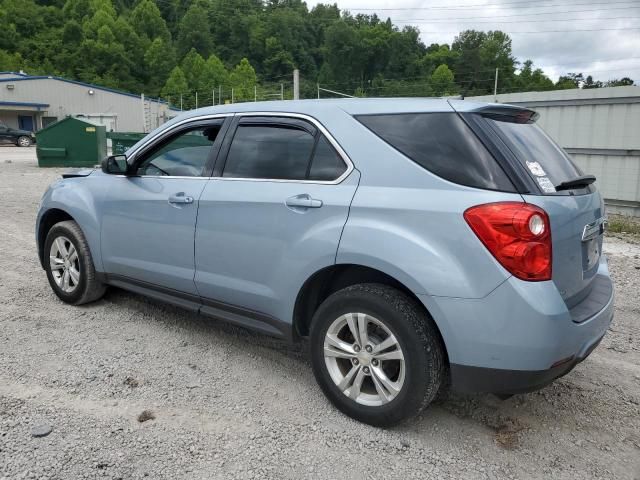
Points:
[[80, 198]]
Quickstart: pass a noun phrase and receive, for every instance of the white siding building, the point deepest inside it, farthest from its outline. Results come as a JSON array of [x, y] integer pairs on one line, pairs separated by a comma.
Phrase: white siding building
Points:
[[600, 128], [32, 102]]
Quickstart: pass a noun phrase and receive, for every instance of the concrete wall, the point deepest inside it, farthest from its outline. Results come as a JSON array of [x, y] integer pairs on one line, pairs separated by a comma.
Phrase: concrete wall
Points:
[[600, 129], [69, 98]]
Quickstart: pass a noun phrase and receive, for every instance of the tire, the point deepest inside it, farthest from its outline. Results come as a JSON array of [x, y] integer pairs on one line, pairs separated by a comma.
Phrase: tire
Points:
[[62, 241], [24, 141], [415, 378]]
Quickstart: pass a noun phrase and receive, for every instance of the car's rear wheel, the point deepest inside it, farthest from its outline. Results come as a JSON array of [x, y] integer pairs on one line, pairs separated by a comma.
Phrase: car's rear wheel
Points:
[[24, 141], [69, 265], [376, 354]]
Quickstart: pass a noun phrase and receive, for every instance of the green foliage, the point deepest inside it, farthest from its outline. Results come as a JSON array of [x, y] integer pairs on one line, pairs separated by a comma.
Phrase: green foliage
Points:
[[193, 31], [176, 84], [137, 45], [243, 80], [442, 81]]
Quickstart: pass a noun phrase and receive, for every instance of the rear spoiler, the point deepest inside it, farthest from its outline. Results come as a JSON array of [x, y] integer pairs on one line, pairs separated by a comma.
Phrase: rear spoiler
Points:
[[503, 113]]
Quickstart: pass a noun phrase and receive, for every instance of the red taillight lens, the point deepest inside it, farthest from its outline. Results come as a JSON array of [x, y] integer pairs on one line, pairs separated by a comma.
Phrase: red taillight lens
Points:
[[517, 234]]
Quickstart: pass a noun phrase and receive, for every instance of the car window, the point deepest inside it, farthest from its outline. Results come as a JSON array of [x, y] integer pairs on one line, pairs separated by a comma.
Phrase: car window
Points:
[[184, 155], [443, 144], [269, 152], [545, 161], [326, 164]]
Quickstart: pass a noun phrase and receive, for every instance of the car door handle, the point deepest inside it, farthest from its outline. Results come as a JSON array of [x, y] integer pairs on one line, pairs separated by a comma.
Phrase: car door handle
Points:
[[303, 201], [180, 198]]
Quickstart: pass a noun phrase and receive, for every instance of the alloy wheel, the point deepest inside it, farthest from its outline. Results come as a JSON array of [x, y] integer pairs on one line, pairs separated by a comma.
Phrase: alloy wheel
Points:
[[364, 359], [65, 264]]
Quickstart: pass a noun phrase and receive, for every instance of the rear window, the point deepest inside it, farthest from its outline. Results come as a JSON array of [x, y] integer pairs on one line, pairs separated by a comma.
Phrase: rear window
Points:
[[443, 144], [545, 161]]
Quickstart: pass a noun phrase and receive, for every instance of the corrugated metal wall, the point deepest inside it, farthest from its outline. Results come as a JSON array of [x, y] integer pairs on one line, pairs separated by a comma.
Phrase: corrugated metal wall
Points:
[[600, 128], [72, 99]]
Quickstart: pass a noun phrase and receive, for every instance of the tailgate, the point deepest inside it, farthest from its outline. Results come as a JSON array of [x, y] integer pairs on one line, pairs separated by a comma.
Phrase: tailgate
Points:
[[576, 233]]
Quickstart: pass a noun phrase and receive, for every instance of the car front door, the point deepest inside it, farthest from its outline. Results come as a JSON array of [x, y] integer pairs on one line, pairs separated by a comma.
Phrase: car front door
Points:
[[4, 133], [149, 216], [271, 216]]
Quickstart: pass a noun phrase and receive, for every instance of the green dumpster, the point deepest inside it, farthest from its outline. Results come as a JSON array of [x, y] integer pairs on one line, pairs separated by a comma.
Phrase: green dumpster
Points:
[[71, 143], [123, 141]]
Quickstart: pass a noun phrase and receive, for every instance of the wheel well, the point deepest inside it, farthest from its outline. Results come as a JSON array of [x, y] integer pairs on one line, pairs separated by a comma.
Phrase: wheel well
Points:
[[336, 277], [48, 220]]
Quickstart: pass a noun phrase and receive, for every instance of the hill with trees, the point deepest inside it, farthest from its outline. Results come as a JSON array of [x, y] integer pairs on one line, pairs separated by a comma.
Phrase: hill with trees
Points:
[[174, 48]]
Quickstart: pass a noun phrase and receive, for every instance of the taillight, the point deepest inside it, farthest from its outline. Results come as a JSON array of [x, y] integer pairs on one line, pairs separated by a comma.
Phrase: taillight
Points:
[[517, 234]]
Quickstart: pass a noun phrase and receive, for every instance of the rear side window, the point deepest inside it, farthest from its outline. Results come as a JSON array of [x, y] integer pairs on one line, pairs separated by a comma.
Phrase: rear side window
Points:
[[443, 144], [545, 161], [269, 152], [326, 164]]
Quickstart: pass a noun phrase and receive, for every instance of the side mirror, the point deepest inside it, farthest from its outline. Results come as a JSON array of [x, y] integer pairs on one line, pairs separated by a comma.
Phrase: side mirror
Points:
[[115, 164]]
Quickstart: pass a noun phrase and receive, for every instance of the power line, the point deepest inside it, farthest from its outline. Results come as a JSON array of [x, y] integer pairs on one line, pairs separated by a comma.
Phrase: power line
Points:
[[548, 31], [519, 14], [485, 5], [545, 20]]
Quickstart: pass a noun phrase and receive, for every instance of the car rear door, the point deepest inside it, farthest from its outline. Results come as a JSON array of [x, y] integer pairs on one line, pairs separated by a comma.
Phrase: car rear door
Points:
[[271, 215], [149, 217]]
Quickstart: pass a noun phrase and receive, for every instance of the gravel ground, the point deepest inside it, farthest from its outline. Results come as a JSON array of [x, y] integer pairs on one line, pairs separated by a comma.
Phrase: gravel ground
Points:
[[221, 402]]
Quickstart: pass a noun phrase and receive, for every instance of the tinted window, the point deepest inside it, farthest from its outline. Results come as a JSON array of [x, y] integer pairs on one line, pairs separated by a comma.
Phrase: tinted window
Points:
[[269, 151], [185, 155], [326, 164], [443, 144], [546, 162]]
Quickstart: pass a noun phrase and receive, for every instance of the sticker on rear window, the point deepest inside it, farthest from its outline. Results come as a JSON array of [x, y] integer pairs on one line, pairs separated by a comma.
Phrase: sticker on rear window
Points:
[[546, 185], [536, 169]]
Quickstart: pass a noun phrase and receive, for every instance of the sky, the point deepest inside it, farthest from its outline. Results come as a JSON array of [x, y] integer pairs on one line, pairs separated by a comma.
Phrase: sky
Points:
[[607, 47]]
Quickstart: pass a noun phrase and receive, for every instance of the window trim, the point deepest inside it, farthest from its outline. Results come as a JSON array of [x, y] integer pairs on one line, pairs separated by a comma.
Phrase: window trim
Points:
[[192, 122], [224, 151], [141, 154]]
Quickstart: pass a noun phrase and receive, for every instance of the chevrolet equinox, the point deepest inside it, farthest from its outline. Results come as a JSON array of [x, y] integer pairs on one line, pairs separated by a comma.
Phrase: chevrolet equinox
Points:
[[417, 243]]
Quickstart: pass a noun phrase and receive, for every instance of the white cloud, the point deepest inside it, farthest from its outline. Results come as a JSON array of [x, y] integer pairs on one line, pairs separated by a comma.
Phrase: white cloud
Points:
[[603, 53]]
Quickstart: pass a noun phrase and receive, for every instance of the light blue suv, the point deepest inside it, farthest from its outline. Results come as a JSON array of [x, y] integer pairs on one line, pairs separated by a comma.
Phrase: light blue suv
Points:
[[417, 243]]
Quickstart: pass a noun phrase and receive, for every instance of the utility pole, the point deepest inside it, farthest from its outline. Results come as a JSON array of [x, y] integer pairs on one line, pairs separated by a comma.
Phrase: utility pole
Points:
[[213, 96], [180, 102], [282, 91], [318, 86], [255, 93], [296, 84], [220, 94], [495, 88], [232, 99], [196, 99]]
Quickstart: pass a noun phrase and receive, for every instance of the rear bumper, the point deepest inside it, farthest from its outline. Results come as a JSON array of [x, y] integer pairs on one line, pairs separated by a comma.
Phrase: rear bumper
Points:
[[520, 337], [508, 382]]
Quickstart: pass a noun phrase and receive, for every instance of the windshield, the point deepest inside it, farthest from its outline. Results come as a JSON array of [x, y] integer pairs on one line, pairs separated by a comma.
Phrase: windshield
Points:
[[545, 161]]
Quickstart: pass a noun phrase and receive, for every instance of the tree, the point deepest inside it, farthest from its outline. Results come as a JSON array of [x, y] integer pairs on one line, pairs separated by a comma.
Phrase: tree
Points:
[[176, 85], [159, 59], [216, 73], [442, 81], [570, 80], [148, 22], [243, 80], [194, 68], [193, 30]]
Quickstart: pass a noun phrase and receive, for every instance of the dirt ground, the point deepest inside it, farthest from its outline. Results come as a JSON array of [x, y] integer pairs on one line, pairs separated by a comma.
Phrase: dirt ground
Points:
[[221, 402]]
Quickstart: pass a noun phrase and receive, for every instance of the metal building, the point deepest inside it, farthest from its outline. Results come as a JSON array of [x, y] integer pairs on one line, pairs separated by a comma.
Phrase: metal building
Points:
[[600, 128], [33, 102]]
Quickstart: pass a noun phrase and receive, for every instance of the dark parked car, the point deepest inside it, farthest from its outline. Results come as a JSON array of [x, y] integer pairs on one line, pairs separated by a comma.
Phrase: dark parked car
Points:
[[21, 138]]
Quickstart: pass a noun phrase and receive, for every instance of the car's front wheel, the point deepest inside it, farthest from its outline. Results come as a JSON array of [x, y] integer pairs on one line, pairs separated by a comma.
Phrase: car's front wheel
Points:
[[69, 265], [24, 141], [376, 354]]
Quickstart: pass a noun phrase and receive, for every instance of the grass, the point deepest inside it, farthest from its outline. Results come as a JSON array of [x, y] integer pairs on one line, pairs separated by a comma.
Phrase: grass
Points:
[[623, 224]]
